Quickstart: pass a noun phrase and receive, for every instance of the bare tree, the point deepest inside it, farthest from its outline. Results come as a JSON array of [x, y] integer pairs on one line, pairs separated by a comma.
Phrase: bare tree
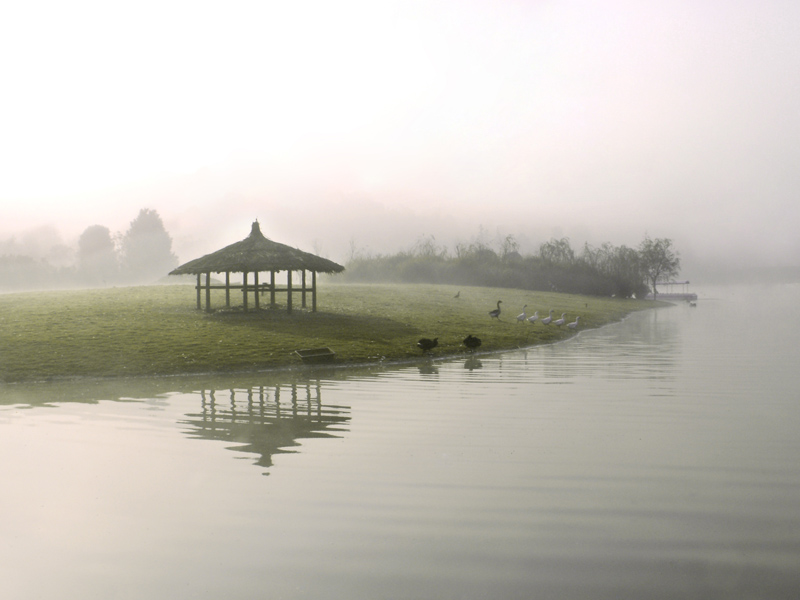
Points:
[[427, 247], [659, 261], [509, 246]]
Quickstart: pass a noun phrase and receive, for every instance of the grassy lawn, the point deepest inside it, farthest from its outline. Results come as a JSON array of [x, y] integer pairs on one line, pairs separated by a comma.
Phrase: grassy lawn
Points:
[[157, 330]]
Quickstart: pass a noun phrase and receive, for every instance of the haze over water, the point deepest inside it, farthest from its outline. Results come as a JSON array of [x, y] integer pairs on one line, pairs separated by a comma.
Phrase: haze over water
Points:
[[653, 458]]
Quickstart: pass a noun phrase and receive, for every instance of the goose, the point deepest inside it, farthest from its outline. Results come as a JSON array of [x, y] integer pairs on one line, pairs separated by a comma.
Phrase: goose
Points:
[[560, 321], [495, 314], [472, 342], [534, 318], [546, 320], [458, 295], [426, 345], [574, 324], [523, 316]]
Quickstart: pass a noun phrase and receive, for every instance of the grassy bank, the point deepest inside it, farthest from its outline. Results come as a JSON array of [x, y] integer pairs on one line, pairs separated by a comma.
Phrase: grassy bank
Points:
[[157, 330]]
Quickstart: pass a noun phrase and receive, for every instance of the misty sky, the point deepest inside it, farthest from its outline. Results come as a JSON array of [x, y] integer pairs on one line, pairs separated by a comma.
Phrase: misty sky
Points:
[[371, 123]]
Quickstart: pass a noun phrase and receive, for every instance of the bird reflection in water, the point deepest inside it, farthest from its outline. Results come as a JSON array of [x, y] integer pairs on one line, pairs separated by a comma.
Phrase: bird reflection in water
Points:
[[264, 421], [472, 363], [428, 368]]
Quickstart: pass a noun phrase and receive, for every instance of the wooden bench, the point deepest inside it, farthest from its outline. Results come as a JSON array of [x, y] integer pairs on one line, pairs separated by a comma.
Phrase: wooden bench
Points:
[[316, 355]]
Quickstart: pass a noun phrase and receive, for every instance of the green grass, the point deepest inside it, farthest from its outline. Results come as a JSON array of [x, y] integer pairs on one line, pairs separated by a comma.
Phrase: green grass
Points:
[[157, 330]]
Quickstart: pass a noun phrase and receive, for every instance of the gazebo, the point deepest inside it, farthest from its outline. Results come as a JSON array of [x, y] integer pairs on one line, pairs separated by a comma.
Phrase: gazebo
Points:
[[256, 254]]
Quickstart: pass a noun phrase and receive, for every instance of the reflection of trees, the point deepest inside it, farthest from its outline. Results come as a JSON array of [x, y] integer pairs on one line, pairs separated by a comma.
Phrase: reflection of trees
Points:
[[266, 421]]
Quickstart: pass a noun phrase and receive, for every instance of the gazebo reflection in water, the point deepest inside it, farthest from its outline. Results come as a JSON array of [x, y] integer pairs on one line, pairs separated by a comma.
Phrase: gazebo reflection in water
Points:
[[267, 421]]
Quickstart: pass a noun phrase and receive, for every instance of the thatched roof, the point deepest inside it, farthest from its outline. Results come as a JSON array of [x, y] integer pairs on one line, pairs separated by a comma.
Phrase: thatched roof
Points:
[[257, 253]]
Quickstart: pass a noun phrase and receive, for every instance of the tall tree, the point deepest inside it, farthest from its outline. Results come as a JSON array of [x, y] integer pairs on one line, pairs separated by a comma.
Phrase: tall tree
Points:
[[97, 255], [147, 248], [658, 260], [624, 267]]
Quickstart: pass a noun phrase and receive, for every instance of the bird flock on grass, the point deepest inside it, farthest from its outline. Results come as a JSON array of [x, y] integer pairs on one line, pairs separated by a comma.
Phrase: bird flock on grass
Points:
[[472, 342], [534, 318]]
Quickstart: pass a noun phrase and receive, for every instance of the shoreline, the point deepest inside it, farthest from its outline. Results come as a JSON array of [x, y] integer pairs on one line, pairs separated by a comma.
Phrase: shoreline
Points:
[[302, 369], [153, 331]]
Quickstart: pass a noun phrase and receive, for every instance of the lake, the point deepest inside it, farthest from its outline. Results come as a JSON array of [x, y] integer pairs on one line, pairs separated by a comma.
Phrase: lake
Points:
[[654, 458]]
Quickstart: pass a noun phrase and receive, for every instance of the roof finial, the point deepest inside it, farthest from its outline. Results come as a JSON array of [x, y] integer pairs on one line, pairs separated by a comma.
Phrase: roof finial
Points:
[[256, 229]]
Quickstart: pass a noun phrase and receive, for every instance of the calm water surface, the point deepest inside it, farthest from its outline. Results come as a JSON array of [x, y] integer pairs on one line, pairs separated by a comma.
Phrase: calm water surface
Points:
[[655, 458]]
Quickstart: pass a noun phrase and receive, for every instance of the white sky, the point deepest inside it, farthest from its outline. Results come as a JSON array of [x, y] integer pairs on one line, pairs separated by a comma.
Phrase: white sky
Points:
[[374, 122]]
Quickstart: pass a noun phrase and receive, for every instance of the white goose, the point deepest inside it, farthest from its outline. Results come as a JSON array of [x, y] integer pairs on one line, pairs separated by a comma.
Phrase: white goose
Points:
[[574, 324], [546, 320], [534, 318], [523, 316], [560, 321]]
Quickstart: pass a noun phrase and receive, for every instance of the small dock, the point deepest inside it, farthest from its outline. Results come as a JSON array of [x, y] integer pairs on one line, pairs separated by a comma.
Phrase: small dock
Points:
[[674, 290]]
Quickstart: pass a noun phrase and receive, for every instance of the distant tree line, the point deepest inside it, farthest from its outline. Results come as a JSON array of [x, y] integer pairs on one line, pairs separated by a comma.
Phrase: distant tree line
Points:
[[606, 270], [142, 254]]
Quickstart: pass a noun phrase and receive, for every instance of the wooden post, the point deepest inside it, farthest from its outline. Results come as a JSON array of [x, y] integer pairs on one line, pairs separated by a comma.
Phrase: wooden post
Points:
[[313, 291], [272, 289], [208, 291], [304, 289], [199, 287], [289, 291], [255, 283], [228, 289], [244, 290]]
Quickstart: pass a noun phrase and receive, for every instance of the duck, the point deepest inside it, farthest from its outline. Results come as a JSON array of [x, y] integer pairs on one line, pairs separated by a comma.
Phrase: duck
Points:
[[521, 317], [534, 318], [495, 314], [546, 320], [574, 324], [426, 345], [472, 342], [560, 321]]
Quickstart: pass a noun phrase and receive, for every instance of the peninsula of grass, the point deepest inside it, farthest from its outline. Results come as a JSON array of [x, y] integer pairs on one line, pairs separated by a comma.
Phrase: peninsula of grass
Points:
[[157, 330]]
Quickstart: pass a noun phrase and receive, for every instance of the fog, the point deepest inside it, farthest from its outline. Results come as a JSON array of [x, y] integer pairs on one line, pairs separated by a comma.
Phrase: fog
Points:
[[365, 125]]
